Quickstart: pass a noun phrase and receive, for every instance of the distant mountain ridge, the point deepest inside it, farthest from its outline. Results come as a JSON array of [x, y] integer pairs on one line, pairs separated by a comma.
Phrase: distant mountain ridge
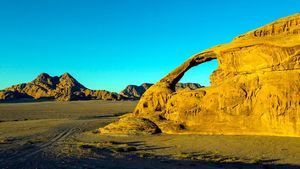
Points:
[[136, 92], [62, 88], [67, 88]]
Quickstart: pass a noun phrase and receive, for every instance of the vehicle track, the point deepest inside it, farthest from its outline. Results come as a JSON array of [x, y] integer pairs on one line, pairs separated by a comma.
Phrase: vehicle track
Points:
[[20, 156]]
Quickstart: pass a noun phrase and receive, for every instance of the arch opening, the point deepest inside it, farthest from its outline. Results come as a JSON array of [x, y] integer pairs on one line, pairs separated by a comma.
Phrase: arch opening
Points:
[[200, 74]]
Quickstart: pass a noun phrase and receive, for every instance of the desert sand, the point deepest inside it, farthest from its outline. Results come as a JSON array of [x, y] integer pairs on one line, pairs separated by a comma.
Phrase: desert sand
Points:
[[64, 135]]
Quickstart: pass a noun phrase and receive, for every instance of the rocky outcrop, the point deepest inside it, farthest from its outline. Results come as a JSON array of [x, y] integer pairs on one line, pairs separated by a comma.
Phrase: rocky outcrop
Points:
[[254, 91], [62, 88], [135, 92], [131, 126]]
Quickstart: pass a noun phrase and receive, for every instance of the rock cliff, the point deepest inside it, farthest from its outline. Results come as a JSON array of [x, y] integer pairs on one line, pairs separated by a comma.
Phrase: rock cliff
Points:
[[254, 91]]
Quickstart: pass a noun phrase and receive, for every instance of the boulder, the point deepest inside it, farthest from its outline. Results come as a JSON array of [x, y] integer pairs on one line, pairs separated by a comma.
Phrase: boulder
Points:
[[131, 126]]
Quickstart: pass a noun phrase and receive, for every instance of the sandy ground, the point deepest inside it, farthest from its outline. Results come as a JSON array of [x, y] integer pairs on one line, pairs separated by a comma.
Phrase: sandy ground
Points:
[[63, 135]]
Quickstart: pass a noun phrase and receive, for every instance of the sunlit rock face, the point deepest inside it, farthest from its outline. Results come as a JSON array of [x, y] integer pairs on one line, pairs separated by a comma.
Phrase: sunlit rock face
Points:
[[255, 90], [62, 88]]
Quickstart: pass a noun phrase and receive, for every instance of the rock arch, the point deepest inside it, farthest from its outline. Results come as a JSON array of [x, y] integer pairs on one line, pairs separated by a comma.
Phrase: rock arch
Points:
[[254, 91], [155, 98]]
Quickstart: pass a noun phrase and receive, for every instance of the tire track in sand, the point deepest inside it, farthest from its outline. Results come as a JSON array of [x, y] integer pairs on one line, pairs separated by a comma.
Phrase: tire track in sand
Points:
[[25, 154]]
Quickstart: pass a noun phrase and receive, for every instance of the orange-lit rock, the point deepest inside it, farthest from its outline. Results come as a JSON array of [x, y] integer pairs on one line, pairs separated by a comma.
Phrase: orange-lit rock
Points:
[[255, 90]]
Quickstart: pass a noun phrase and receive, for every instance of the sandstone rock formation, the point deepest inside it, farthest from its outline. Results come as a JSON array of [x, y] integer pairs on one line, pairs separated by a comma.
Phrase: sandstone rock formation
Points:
[[254, 91], [63, 88], [131, 126], [135, 92]]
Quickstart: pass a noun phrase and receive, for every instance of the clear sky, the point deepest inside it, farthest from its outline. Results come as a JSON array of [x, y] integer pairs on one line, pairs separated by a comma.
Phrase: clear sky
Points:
[[108, 44]]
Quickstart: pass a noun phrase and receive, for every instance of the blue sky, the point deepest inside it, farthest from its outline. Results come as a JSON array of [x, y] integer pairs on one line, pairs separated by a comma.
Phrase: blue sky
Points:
[[108, 44]]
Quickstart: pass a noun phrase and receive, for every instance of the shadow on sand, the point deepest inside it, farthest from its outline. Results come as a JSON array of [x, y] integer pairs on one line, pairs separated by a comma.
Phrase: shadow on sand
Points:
[[106, 159], [26, 100]]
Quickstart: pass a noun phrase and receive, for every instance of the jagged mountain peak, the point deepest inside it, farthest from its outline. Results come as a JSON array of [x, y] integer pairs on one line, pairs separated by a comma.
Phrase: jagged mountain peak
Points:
[[42, 77], [67, 80], [46, 80], [67, 75]]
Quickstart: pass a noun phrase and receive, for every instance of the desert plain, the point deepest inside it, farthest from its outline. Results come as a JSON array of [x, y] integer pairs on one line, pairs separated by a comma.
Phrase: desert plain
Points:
[[65, 135], [248, 118]]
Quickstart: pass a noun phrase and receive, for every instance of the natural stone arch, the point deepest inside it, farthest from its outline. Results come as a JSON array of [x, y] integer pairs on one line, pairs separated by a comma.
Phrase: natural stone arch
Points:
[[255, 89], [173, 78], [155, 98], [200, 75]]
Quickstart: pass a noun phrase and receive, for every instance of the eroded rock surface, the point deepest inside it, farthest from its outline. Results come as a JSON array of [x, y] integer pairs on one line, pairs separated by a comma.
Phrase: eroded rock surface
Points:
[[255, 90]]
